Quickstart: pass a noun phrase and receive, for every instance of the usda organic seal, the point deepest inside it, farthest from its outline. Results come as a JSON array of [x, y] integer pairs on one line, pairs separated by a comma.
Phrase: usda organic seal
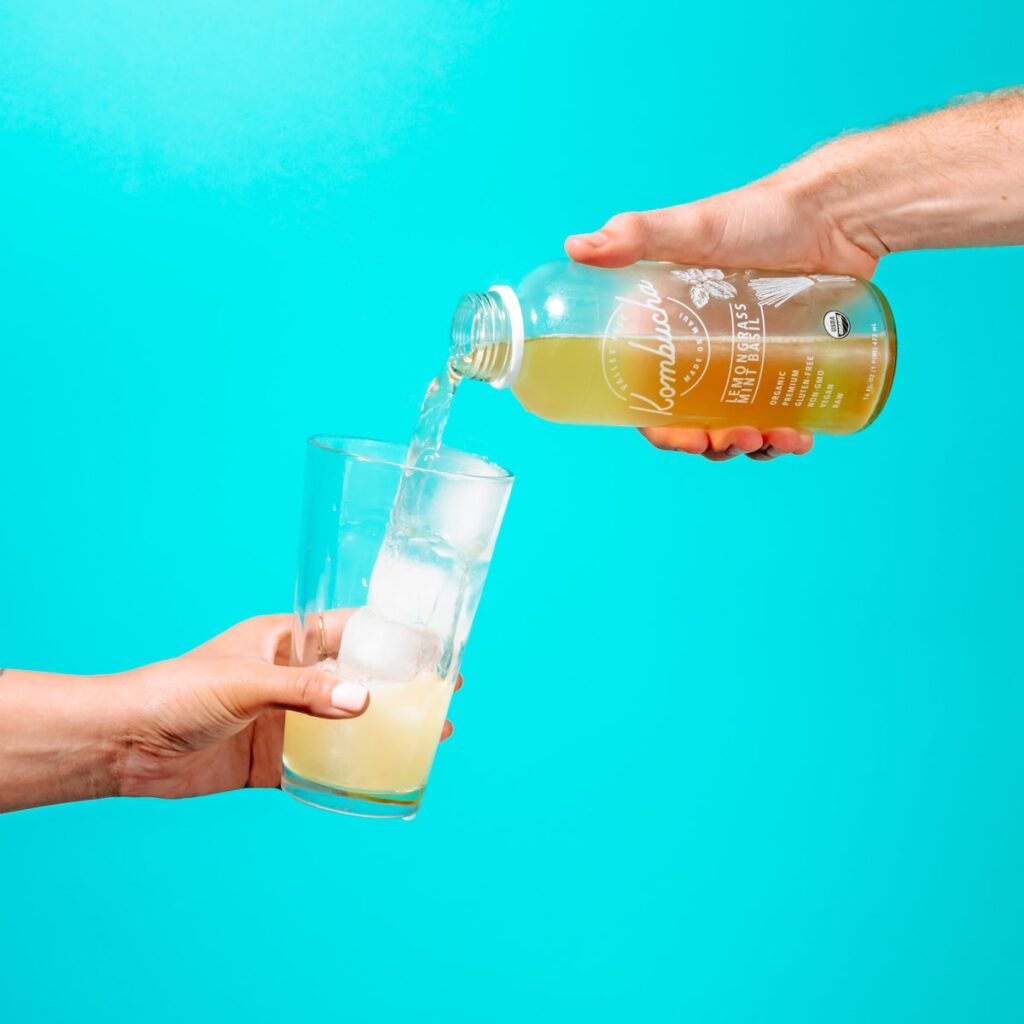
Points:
[[836, 323]]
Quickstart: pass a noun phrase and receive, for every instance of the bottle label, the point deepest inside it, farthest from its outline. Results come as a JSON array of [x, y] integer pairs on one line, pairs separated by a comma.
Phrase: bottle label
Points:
[[715, 347], [678, 341]]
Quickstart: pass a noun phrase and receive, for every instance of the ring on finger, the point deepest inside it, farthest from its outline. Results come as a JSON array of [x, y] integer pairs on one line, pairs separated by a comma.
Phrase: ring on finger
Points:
[[322, 641]]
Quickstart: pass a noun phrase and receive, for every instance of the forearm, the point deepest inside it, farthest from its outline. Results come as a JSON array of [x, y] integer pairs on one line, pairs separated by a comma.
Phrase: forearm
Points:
[[948, 179], [59, 738]]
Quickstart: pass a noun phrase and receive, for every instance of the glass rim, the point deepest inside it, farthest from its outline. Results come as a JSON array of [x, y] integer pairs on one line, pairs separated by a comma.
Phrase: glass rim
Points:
[[349, 445]]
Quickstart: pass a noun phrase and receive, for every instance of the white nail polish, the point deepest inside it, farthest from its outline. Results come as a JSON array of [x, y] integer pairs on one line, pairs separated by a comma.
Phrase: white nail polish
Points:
[[349, 697]]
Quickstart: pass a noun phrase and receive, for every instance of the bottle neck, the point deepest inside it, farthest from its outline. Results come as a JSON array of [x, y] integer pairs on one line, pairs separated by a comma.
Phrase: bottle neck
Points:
[[487, 337]]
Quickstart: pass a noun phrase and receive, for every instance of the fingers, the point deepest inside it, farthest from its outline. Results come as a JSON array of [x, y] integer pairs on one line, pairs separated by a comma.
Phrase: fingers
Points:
[[725, 444], [732, 441], [321, 638], [715, 445], [622, 241], [625, 239], [253, 638], [270, 637], [322, 634], [251, 686], [693, 441], [447, 729], [783, 441], [681, 234]]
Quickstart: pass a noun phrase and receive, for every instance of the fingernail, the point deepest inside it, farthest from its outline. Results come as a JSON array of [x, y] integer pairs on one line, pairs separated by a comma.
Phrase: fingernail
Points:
[[350, 697], [772, 452], [732, 451], [596, 239]]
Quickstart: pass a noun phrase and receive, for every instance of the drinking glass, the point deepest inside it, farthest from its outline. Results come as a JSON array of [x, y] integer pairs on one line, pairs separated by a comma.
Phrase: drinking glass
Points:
[[392, 562]]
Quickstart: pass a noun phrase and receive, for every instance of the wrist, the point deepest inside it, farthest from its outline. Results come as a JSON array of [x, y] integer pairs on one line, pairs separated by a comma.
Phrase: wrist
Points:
[[87, 739], [61, 738], [111, 713], [837, 185], [948, 179]]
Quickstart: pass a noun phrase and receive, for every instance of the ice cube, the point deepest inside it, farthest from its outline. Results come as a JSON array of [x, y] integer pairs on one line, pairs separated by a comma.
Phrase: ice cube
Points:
[[467, 512], [414, 590], [379, 650]]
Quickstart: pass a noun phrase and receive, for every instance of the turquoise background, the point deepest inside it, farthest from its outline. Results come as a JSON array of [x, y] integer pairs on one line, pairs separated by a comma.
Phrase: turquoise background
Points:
[[738, 742]]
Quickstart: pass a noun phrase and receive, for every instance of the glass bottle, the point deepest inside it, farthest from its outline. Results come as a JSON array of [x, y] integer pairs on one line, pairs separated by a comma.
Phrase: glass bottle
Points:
[[658, 344]]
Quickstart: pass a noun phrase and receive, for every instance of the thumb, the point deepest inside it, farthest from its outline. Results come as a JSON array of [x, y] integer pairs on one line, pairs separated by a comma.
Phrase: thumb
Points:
[[680, 234], [251, 686]]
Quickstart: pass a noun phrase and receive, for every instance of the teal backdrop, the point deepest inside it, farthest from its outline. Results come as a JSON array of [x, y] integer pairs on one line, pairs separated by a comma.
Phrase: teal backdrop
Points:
[[738, 742]]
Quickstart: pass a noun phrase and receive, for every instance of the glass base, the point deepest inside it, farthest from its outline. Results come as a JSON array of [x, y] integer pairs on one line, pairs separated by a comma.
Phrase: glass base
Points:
[[351, 801]]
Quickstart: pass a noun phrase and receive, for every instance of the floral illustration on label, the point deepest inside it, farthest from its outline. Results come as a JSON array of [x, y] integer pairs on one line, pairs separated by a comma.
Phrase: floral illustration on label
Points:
[[774, 291], [706, 285]]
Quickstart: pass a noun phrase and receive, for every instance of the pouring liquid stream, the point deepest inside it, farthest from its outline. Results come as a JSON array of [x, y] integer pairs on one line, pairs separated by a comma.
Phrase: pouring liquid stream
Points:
[[428, 436]]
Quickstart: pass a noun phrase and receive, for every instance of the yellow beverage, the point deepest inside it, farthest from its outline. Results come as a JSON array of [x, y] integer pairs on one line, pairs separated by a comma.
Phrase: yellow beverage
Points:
[[718, 382], [386, 751]]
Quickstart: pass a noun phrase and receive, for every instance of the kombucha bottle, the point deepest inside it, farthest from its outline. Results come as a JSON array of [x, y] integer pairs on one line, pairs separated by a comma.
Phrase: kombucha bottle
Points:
[[659, 344]]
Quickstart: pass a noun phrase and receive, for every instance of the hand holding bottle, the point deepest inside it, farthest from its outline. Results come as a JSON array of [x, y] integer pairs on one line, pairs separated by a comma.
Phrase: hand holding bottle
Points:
[[946, 179], [760, 225]]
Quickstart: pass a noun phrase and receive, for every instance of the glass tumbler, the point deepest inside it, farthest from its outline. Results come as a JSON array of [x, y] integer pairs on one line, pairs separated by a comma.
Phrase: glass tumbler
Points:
[[392, 562]]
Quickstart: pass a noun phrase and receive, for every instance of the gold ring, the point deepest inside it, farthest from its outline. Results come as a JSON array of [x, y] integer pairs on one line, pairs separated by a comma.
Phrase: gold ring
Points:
[[323, 638]]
